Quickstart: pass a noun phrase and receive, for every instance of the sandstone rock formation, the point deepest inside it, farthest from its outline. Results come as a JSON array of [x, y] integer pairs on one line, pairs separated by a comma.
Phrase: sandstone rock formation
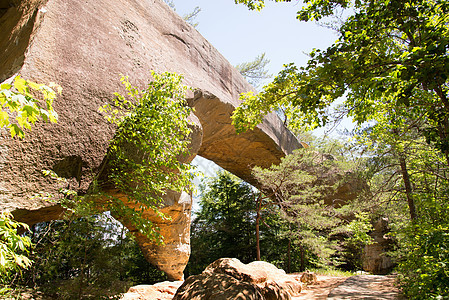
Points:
[[160, 291], [228, 278], [263, 146], [375, 260], [84, 46]]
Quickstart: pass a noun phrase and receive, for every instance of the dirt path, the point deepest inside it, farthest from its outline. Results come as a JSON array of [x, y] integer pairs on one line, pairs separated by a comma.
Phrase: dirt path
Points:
[[355, 287], [320, 290]]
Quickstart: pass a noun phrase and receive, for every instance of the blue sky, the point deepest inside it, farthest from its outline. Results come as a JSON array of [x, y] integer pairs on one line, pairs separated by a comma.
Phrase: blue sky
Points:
[[240, 34]]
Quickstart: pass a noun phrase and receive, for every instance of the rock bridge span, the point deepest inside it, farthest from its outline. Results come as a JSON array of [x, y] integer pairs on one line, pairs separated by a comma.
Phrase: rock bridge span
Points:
[[84, 46]]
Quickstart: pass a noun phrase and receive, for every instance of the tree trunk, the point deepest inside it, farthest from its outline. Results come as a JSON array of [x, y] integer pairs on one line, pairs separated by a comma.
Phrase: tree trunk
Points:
[[408, 187], [259, 207], [289, 256], [303, 261], [443, 131], [81, 279], [122, 238]]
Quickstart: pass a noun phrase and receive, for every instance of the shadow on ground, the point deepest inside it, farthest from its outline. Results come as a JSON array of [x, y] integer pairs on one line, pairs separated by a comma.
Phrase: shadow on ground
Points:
[[367, 287]]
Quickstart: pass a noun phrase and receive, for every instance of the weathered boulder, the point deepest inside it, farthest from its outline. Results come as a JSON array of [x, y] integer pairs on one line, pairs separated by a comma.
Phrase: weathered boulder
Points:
[[228, 278], [289, 283], [216, 286], [160, 291], [308, 278], [84, 46]]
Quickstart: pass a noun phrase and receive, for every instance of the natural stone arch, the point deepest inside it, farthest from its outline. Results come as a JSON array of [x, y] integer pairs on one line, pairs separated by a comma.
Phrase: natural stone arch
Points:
[[239, 153], [84, 46]]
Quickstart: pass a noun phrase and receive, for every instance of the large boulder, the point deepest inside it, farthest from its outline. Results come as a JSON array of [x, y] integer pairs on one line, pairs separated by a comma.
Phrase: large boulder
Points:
[[84, 46], [228, 278]]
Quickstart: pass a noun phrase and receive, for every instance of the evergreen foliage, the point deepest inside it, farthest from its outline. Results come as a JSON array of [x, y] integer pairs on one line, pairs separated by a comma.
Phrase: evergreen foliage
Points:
[[224, 226], [297, 229], [254, 71], [303, 185]]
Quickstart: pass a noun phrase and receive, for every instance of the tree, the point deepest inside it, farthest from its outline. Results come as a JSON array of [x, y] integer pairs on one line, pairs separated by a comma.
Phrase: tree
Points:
[[189, 17], [293, 222], [420, 263], [391, 57], [89, 257], [20, 100], [224, 226], [390, 63], [13, 249], [300, 186], [145, 157], [387, 52], [254, 71]]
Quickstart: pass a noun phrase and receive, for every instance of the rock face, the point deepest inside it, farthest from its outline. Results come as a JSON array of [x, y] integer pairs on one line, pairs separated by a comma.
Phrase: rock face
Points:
[[228, 278], [262, 146], [374, 258], [84, 46]]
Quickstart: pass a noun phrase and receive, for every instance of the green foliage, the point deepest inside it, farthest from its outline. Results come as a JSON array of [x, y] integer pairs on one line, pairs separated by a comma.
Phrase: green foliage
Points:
[[13, 248], [429, 180], [256, 4], [92, 257], [389, 54], [252, 4], [298, 229], [312, 10], [424, 267], [297, 185], [332, 272], [19, 99], [225, 224], [147, 153], [359, 228], [190, 17], [254, 71], [389, 67]]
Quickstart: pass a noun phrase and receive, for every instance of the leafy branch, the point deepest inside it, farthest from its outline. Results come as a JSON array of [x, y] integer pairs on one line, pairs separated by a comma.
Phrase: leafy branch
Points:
[[20, 100]]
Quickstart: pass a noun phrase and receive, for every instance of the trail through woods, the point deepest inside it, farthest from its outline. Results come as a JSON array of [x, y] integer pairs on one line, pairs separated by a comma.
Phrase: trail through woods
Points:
[[355, 287]]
